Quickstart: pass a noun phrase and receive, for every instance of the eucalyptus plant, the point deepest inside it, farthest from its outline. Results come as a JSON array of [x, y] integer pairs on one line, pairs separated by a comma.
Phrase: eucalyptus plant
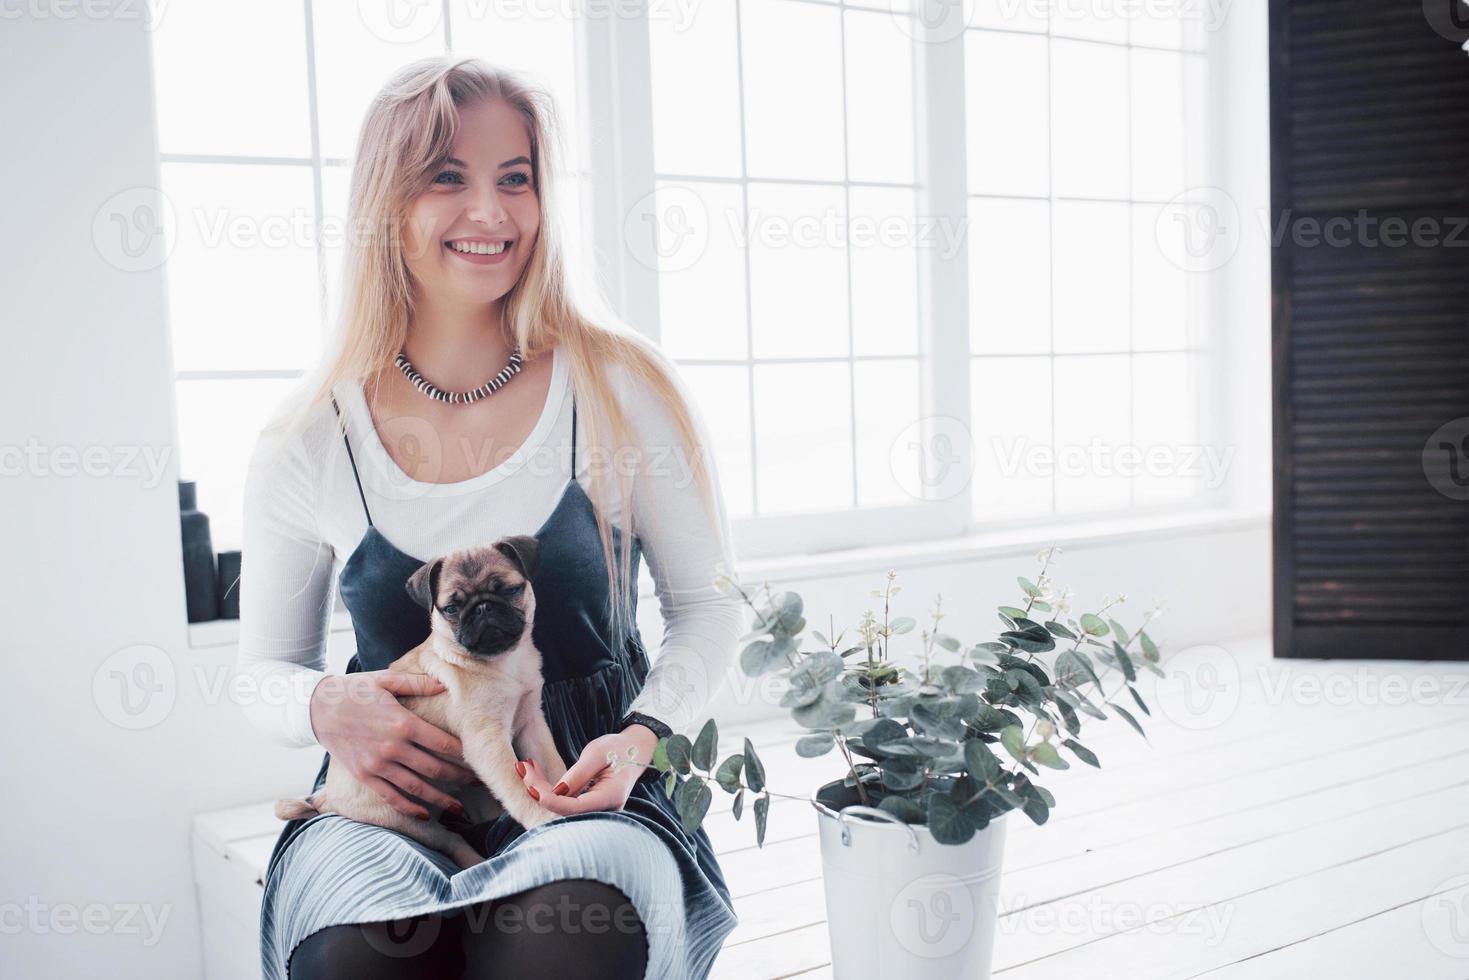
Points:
[[946, 744]]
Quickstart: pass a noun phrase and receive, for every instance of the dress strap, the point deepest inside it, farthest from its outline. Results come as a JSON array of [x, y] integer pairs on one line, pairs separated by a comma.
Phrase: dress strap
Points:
[[355, 475], [573, 436]]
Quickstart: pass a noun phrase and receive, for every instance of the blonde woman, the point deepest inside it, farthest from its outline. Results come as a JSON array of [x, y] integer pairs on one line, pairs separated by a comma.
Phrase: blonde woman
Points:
[[470, 396]]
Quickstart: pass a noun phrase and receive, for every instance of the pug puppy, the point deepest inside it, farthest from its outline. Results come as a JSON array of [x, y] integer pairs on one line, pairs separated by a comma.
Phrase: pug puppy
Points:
[[481, 610]]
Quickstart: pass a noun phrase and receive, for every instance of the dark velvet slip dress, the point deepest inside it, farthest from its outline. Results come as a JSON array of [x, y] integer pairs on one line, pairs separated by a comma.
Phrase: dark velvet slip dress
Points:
[[328, 870]]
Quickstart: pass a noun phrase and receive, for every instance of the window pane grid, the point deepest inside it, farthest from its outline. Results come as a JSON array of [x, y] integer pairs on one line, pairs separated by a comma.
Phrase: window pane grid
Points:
[[793, 300], [1090, 242]]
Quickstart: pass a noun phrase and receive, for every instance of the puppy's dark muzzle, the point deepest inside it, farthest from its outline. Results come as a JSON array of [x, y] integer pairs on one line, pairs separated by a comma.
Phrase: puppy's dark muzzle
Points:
[[490, 627]]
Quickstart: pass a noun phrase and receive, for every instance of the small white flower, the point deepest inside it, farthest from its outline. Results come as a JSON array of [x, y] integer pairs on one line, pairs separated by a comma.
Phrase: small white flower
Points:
[[1045, 729]]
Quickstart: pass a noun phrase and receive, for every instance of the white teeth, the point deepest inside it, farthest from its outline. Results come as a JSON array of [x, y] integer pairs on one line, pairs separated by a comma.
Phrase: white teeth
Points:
[[479, 248]]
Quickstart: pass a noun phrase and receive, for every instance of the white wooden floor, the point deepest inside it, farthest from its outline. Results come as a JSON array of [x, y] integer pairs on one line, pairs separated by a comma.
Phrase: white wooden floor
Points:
[[1284, 819], [1310, 819]]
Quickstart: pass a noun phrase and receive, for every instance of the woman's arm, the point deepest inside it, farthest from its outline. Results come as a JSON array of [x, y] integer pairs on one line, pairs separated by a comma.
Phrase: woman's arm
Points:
[[285, 594], [685, 551]]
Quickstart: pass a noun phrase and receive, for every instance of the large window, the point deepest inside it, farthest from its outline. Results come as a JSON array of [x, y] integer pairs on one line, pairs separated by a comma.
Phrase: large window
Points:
[[787, 218], [803, 158]]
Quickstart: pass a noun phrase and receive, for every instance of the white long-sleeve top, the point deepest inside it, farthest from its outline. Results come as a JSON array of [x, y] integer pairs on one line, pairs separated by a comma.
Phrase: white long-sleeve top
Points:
[[303, 518]]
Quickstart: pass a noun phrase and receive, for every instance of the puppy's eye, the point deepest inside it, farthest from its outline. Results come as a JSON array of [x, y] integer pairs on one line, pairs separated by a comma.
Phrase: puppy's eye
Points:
[[450, 609], [515, 589]]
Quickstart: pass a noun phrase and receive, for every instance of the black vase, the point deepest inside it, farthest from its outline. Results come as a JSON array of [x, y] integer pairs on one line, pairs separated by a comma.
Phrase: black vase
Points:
[[229, 585], [201, 590]]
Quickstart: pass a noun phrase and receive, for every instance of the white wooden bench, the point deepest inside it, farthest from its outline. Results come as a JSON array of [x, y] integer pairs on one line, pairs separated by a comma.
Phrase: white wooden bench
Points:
[[231, 849]]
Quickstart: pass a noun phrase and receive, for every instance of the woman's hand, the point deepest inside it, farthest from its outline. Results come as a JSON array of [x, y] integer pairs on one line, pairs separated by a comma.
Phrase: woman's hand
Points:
[[591, 783], [357, 718]]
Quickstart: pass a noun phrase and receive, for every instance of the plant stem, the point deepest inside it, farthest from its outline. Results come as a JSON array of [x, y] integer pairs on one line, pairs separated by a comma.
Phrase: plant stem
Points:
[[852, 767]]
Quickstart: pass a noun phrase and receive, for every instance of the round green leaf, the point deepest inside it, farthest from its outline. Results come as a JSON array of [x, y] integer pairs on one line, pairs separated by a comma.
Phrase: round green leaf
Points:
[[948, 823], [1045, 753], [754, 770], [815, 745]]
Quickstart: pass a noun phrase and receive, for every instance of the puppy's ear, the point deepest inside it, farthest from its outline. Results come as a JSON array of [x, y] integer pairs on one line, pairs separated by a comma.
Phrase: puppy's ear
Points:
[[524, 550], [423, 585]]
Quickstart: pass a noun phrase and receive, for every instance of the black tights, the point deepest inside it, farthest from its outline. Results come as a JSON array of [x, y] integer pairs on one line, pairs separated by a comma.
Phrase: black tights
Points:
[[575, 927]]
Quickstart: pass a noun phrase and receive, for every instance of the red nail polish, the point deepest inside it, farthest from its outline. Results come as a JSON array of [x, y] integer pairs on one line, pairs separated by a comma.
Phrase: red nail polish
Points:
[[520, 768], [457, 807], [533, 794], [561, 789]]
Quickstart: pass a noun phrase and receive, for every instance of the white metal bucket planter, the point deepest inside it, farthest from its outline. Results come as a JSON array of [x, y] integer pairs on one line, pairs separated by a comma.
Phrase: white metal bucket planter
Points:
[[899, 903]]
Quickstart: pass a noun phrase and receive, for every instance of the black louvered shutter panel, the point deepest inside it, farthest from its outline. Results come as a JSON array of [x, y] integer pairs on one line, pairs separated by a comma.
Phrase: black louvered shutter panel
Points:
[[1370, 122]]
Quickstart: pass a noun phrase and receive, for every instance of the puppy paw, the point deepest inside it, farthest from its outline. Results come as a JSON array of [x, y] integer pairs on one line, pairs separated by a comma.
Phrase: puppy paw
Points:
[[466, 856]]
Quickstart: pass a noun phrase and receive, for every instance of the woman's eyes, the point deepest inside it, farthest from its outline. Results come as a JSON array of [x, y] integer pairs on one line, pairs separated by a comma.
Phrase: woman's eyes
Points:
[[520, 179]]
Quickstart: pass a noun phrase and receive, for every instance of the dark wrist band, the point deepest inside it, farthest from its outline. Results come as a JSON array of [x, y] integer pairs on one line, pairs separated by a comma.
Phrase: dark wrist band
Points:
[[638, 718]]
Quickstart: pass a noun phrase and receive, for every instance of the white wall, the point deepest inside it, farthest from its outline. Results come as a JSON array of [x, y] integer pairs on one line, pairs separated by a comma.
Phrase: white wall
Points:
[[97, 816], [95, 844]]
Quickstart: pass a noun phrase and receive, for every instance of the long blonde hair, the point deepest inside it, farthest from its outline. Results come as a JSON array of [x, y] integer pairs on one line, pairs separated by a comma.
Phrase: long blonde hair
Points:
[[407, 134]]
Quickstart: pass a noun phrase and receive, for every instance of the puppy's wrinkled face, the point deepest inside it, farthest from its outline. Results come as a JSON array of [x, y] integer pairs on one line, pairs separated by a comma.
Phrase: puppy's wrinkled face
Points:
[[482, 597]]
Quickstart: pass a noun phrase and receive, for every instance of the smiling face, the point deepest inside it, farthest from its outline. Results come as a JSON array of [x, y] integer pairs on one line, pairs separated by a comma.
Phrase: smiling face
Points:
[[469, 235]]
